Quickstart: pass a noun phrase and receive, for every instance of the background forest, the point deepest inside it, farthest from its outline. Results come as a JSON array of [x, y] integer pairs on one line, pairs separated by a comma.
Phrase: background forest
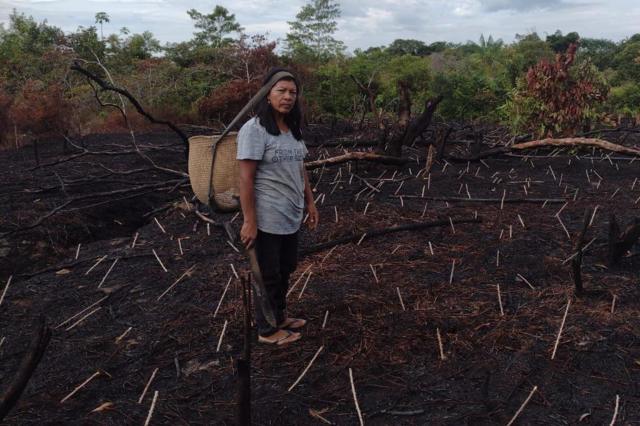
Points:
[[535, 84]]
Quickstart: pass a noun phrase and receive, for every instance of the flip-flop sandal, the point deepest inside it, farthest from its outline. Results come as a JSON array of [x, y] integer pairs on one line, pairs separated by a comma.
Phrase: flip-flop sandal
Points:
[[289, 338], [293, 323]]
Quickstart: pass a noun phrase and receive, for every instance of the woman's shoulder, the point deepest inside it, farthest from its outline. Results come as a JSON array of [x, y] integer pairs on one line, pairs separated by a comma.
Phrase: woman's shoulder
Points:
[[252, 125]]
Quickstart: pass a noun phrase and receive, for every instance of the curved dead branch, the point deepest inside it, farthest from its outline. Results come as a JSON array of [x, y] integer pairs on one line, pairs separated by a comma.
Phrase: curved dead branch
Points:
[[351, 156], [109, 87]]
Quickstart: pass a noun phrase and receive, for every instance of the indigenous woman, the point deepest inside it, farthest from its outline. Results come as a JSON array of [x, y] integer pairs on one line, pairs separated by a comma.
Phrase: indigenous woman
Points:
[[274, 190]]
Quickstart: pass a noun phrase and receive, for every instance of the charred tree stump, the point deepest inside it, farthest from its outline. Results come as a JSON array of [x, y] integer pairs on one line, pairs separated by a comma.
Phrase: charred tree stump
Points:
[[243, 365], [28, 365], [404, 106], [415, 129], [441, 141], [619, 243], [576, 263]]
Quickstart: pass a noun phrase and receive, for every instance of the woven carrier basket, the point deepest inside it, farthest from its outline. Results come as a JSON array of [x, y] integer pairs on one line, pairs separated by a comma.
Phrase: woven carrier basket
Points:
[[217, 187]]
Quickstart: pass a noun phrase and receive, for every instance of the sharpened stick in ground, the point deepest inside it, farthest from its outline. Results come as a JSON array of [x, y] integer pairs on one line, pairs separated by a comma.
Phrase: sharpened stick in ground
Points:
[[72, 326], [400, 297], [108, 272], [326, 256], [96, 264], [78, 251], [80, 313], [305, 285], [564, 318], [615, 411], [453, 268], [375, 276], [160, 225], [306, 369], [613, 303], [442, 355], [146, 388], [563, 227], [500, 300], [6, 287], [80, 386], [526, 281], [159, 261], [184, 274], [355, 398], [324, 321], [222, 297], [151, 409], [524, 404], [299, 278], [224, 328], [233, 269], [123, 335]]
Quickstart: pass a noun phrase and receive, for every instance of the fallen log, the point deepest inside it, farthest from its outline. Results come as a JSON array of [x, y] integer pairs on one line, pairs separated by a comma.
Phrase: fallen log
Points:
[[356, 237], [28, 365], [563, 142], [351, 156], [598, 143]]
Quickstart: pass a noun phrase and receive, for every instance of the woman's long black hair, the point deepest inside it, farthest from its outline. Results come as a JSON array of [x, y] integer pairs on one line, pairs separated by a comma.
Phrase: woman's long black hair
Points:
[[264, 111]]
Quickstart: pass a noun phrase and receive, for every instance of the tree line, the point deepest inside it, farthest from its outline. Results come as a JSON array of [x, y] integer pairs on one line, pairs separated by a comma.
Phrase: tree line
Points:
[[555, 84]]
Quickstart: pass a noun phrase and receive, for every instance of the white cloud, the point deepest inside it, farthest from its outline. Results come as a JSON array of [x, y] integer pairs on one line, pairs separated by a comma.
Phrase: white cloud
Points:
[[363, 23]]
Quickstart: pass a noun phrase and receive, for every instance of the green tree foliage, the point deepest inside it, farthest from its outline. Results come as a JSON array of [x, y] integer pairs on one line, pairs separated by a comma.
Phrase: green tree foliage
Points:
[[310, 37], [625, 99], [528, 50], [209, 78], [214, 27], [560, 43], [627, 60], [401, 47], [22, 45], [86, 44], [101, 18], [599, 51]]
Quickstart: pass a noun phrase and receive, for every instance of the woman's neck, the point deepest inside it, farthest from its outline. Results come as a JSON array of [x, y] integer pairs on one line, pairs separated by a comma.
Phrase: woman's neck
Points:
[[282, 125]]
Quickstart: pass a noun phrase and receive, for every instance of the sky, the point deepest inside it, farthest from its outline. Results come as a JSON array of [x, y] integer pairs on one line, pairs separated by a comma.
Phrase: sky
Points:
[[363, 23]]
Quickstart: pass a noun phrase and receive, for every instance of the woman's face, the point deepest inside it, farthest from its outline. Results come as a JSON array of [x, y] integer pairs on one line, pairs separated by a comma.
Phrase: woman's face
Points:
[[282, 96]]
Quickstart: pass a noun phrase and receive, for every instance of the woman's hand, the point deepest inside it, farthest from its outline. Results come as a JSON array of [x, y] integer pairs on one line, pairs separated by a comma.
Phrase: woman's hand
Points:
[[248, 234], [314, 217]]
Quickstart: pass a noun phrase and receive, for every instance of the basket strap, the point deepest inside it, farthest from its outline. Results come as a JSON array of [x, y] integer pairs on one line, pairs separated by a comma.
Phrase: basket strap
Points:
[[248, 107]]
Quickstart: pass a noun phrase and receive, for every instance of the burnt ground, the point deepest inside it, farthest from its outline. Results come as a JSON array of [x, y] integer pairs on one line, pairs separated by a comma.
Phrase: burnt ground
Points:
[[384, 327]]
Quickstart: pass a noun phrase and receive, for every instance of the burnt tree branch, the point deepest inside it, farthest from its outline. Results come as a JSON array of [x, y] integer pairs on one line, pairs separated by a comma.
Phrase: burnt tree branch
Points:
[[109, 87], [28, 365]]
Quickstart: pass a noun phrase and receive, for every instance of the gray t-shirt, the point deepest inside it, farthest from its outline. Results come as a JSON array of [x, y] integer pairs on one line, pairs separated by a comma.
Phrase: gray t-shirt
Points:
[[279, 181]]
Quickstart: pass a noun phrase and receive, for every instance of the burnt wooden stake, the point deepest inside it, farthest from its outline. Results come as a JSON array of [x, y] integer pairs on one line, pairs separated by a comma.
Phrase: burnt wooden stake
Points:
[[576, 263]]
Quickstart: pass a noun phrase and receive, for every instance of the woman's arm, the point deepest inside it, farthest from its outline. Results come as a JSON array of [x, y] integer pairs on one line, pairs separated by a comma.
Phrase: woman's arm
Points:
[[314, 217], [249, 230]]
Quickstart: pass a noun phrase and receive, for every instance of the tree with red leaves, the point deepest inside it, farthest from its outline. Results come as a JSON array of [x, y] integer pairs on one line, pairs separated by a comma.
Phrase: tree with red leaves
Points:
[[557, 98], [245, 62]]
